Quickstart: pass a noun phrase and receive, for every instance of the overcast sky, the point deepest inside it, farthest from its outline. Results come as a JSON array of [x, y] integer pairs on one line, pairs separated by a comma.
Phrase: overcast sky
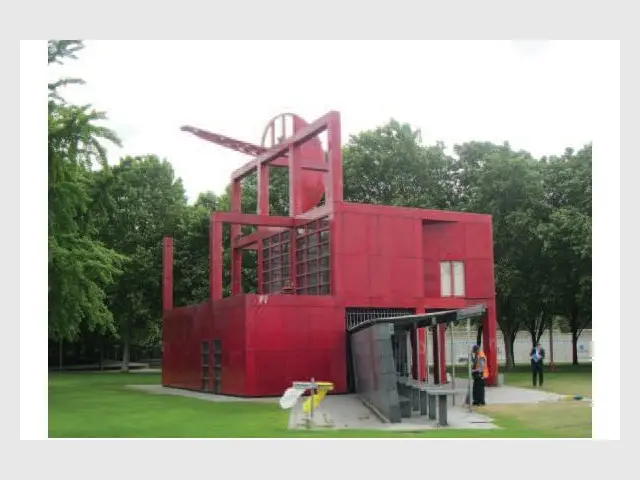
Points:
[[536, 95]]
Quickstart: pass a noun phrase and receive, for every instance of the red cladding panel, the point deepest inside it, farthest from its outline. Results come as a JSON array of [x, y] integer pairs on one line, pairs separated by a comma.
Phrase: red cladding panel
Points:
[[360, 273], [452, 242], [355, 233], [229, 329], [184, 330], [431, 275], [294, 338], [398, 236], [479, 278], [381, 255], [405, 276], [375, 241], [478, 241]]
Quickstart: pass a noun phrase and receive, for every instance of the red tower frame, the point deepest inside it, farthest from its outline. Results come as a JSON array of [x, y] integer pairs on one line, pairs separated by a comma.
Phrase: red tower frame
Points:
[[330, 256]]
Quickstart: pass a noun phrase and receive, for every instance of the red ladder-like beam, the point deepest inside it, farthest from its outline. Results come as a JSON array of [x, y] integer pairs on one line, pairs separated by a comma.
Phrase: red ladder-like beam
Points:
[[224, 141], [232, 144]]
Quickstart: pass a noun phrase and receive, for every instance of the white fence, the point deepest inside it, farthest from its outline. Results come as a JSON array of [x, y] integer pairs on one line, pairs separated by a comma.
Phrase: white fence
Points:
[[562, 346]]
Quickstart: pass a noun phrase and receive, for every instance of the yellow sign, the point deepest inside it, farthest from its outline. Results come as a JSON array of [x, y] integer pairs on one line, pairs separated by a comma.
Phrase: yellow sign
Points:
[[323, 389]]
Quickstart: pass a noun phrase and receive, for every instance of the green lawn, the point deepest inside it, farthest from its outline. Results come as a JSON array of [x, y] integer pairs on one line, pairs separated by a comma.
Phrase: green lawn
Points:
[[99, 405], [567, 419], [566, 380]]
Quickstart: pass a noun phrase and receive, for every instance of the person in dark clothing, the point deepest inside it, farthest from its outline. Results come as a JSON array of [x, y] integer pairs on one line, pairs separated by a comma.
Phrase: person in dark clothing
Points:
[[479, 372], [537, 362]]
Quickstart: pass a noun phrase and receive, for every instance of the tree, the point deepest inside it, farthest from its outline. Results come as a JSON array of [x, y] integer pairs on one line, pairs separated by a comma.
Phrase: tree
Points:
[[508, 185], [567, 237], [191, 250], [389, 166], [80, 268], [142, 201]]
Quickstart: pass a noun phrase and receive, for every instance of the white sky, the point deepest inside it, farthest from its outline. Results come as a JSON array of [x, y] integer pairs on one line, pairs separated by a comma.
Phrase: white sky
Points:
[[536, 95]]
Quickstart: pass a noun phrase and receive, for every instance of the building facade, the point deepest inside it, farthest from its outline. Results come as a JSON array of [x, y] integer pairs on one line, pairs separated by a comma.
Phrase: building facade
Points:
[[328, 265]]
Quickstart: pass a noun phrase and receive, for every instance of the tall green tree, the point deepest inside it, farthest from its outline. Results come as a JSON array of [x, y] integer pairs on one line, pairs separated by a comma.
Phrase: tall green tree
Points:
[[80, 267], [508, 185], [141, 202], [567, 237]]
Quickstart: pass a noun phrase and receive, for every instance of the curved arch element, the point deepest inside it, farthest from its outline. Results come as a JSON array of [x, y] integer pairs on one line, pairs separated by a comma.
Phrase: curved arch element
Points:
[[310, 155]]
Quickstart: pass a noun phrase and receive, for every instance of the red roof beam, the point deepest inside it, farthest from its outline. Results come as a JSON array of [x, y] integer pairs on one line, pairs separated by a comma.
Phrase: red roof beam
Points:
[[253, 219]]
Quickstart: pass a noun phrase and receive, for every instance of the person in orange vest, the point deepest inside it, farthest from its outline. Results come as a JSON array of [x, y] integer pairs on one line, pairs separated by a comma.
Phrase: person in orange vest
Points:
[[479, 372]]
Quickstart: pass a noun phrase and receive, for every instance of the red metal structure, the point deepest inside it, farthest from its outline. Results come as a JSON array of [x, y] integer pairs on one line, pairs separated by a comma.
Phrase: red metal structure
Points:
[[326, 262]]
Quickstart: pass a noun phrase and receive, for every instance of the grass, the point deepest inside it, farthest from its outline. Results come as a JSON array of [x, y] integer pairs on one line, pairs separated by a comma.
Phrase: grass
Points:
[[560, 419], [98, 405], [566, 380], [568, 419]]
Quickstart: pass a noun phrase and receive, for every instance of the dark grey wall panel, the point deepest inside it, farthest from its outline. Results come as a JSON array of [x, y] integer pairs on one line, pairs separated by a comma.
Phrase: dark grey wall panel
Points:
[[374, 369]]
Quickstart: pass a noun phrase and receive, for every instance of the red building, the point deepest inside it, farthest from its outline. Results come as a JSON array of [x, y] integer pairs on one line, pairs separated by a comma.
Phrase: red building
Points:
[[328, 263]]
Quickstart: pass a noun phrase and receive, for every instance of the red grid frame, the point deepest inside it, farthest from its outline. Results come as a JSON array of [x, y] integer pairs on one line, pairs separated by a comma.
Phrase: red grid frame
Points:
[[276, 264], [313, 258]]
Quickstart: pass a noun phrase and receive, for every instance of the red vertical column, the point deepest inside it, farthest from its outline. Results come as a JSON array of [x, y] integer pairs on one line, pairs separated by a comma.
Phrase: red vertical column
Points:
[[167, 274], [263, 209], [489, 346], [236, 230], [333, 197], [295, 191], [422, 355], [263, 189], [215, 259], [294, 183], [334, 186]]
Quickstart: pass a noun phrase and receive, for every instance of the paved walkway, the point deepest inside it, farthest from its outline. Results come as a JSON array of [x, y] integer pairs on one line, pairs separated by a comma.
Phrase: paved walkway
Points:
[[160, 390], [347, 411], [507, 394]]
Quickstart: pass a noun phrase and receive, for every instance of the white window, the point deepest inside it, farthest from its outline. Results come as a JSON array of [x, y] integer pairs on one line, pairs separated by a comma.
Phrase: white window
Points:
[[445, 279], [452, 279], [458, 279]]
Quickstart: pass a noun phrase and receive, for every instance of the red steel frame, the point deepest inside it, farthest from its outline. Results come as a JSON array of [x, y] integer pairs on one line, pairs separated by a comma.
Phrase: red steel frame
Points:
[[403, 244]]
